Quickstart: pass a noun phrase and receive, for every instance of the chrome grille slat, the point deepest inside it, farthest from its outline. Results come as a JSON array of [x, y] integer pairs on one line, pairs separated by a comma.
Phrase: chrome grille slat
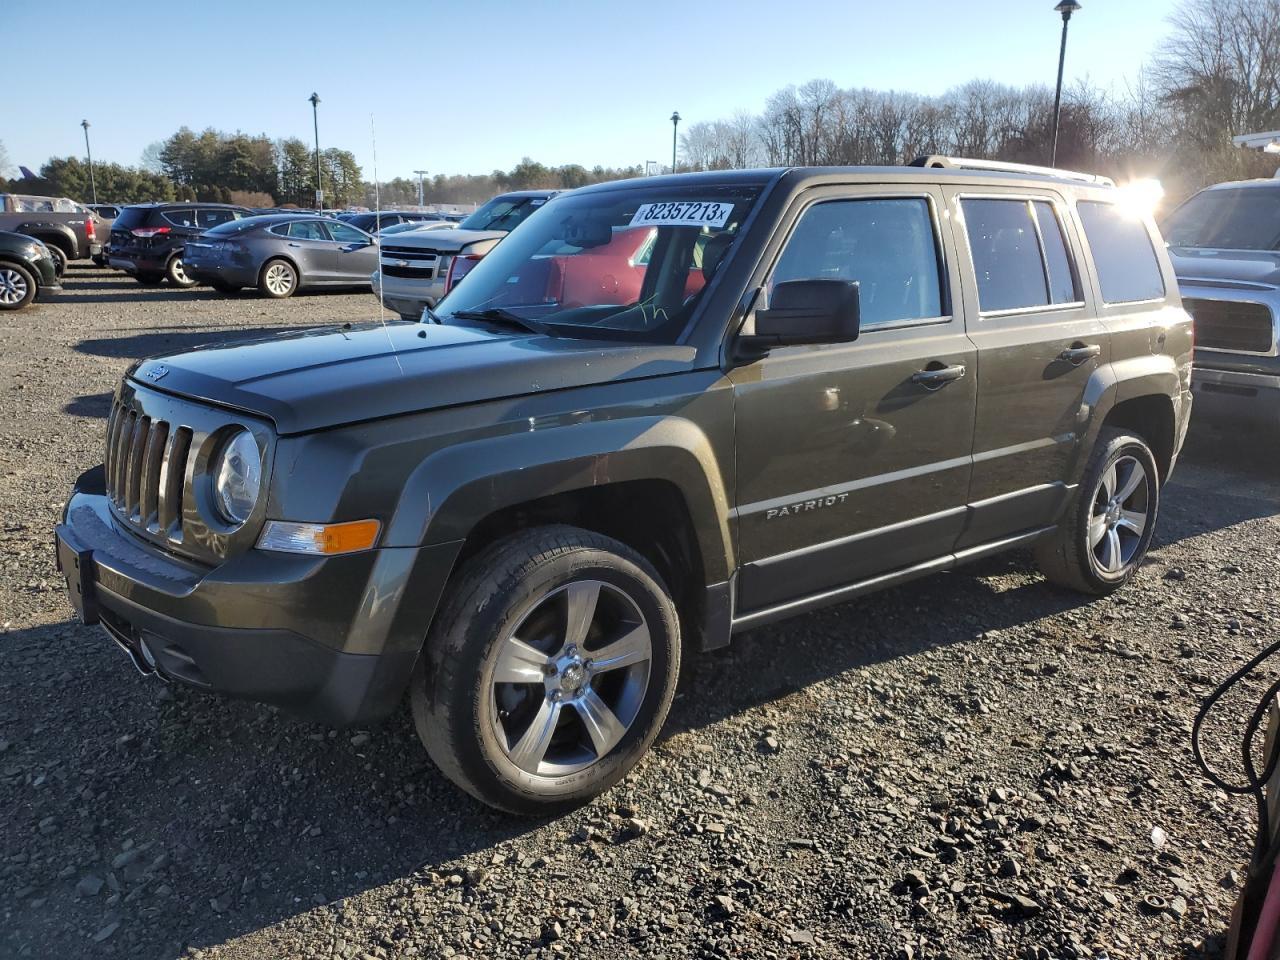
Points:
[[127, 423], [133, 480], [149, 496], [113, 425], [172, 482]]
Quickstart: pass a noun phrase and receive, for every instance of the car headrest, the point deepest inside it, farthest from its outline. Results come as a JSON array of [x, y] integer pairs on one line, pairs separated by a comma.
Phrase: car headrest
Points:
[[713, 254]]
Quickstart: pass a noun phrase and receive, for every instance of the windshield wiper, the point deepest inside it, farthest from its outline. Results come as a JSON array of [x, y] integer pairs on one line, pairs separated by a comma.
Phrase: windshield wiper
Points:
[[501, 315]]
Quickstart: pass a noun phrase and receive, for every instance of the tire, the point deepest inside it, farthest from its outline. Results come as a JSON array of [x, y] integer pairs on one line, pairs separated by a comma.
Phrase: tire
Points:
[[175, 274], [59, 259], [278, 279], [17, 286], [477, 728], [1102, 541], [150, 279], [223, 287]]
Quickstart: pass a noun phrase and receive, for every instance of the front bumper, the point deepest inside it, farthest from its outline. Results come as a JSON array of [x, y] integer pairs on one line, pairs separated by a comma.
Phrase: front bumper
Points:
[[331, 639], [1237, 397], [406, 297]]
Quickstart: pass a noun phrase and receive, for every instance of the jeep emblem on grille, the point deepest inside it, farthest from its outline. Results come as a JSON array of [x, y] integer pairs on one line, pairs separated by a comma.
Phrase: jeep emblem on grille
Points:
[[158, 372]]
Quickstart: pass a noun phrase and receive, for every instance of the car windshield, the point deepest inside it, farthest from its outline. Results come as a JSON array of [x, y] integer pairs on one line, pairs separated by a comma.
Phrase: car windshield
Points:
[[618, 264], [1239, 219], [503, 213]]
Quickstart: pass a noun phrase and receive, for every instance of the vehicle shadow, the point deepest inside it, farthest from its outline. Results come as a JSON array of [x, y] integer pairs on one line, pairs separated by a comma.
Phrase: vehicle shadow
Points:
[[133, 292], [174, 339], [89, 405]]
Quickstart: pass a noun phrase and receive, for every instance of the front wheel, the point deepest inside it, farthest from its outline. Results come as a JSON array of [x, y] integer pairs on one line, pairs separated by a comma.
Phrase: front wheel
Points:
[[548, 671], [17, 286], [278, 279], [59, 259], [1101, 542]]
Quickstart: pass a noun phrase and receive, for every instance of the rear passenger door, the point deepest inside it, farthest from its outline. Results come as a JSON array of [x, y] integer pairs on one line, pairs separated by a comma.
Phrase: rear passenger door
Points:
[[1038, 345], [311, 248], [854, 458]]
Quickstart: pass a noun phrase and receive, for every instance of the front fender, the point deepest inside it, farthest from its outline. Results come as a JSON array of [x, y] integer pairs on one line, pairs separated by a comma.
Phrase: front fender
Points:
[[458, 486]]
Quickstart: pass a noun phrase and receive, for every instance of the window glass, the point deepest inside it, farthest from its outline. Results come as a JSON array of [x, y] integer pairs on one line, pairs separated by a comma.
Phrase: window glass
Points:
[[1240, 218], [1062, 283], [1006, 254], [307, 230], [211, 218], [33, 205], [346, 234], [181, 218], [1122, 253], [887, 246], [63, 205]]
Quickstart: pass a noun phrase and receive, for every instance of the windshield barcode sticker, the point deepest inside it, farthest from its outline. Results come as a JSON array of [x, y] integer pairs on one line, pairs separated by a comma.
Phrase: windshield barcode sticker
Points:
[[683, 213]]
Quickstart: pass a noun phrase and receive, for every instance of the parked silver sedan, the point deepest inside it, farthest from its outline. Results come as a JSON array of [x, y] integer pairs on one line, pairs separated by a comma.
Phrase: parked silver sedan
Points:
[[280, 254]]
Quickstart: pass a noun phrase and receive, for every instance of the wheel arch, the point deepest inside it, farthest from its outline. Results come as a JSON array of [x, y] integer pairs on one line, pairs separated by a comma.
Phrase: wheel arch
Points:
[[1150, 416], [62, 237]]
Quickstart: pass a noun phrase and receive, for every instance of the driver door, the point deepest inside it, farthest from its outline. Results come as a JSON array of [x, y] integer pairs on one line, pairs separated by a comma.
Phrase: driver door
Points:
[[854, 459]]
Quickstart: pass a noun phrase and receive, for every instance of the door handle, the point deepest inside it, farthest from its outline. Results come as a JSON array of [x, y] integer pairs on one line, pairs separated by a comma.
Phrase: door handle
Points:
[[295, 244], [1078, 353], [934, 378]]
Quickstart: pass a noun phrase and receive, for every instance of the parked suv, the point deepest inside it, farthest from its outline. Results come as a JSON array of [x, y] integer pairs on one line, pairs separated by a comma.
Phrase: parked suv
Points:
[[147, 239], [69, 229], [526, 512], [1225, 246], [418, 269]]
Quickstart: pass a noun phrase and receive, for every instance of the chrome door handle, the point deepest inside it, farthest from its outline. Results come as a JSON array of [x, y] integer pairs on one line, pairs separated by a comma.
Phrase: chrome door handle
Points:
[[933, 378], [295, 244], [1079, 353]]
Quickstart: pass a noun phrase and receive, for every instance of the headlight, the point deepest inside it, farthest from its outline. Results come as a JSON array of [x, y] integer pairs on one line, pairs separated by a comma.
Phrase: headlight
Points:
[[237, 478]]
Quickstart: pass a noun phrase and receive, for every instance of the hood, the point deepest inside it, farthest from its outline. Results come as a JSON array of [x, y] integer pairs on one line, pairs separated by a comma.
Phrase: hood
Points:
[[445, 241], [1240, 266], [328, 377]]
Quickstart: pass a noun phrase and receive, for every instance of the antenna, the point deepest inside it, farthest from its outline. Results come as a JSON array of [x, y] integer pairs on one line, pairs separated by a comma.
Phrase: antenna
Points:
[[377, 241]]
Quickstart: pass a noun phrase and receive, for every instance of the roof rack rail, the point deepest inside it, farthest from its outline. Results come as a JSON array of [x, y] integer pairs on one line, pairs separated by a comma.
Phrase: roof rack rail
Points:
[[1001, 166]]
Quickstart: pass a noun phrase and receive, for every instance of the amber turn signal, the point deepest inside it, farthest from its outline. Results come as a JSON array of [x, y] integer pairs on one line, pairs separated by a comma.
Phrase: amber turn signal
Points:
[[319, 539]]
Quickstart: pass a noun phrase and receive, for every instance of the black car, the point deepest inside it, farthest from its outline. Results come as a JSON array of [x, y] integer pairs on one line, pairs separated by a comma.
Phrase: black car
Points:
[[27, 267], [373, 222], [147, 239]]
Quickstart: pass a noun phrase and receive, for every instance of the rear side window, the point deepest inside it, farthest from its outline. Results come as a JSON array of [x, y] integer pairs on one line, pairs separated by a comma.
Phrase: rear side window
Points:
[[308, 230], [887, 246], [1019, 255], [180, 218], [1128, 270], [211, 218]]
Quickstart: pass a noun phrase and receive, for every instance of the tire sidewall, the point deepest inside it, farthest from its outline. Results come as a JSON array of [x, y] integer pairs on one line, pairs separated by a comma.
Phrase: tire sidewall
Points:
[[481, 757], [262, 279], [31, 286], [1119, 446]]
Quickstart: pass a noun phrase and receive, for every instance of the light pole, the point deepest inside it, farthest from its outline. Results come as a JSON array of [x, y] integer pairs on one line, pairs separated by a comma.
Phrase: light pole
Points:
[[421, 174], [675, 125], [93, 186], [315, 119], [1066, 8]]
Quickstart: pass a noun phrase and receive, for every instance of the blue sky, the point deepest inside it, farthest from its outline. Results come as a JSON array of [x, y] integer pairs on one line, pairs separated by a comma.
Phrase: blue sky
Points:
[[472, 85]]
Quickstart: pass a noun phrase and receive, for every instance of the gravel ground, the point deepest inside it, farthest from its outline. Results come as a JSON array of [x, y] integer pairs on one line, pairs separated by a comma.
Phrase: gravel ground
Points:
[[969, 766]]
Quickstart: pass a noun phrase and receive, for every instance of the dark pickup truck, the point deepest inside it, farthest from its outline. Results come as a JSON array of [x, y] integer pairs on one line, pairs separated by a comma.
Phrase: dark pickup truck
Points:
[[70, 230], [800, 386]]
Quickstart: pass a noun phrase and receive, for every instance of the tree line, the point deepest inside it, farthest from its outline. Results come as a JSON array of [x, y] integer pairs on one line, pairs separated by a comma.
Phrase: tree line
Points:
[[1216, 75]]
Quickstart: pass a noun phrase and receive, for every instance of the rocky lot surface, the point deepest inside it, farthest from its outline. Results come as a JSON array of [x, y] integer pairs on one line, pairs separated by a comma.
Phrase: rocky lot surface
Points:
[[974, 765]]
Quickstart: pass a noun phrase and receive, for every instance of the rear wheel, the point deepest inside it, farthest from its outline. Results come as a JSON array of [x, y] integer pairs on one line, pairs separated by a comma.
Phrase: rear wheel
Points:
[[59, 259], [175, 272], [1099, 546], [278, 279], [17, 286], [548, 671]]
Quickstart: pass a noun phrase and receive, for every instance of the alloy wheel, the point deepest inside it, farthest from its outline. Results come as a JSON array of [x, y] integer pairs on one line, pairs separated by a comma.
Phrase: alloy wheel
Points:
[[279, 279], [567, 683], [1120, 514], [179, 273], [13, 286]]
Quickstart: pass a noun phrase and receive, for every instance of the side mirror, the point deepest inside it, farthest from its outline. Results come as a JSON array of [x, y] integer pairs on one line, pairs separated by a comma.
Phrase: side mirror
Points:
[[808, 311]]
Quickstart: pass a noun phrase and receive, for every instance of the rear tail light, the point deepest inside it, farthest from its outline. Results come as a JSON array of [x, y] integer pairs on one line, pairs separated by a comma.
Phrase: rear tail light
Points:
[[147, 232], [90, 230], [459, 267]]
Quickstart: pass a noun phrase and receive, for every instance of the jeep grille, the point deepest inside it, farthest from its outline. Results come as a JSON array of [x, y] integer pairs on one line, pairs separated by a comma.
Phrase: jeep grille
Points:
[[1232, 325], [146, 468]]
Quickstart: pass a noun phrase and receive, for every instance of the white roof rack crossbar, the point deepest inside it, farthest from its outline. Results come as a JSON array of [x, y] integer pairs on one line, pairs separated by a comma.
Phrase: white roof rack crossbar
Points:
[[1002, 166]]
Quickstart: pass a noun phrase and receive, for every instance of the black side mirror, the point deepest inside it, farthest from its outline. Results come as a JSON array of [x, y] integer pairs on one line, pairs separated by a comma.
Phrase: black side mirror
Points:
[[808, 311]]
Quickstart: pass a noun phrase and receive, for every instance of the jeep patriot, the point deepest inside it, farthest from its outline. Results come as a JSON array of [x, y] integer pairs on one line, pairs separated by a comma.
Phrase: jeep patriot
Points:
[[794, 387]]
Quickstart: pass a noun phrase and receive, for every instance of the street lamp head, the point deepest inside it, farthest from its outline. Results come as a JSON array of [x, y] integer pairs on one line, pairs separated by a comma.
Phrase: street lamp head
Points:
[[675, 117], [1067, 8], [85, 124], [315, 99]]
